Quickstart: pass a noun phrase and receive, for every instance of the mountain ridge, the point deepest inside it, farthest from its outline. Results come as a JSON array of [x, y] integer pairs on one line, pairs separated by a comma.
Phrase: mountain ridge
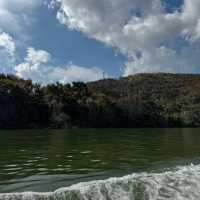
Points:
[[140, 100]]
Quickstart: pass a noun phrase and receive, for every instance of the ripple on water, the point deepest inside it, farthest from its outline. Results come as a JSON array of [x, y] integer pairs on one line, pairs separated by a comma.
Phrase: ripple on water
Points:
[[32, 161], [86, 152], [10, 165], [42, 169], [13, 169], [70, 156]]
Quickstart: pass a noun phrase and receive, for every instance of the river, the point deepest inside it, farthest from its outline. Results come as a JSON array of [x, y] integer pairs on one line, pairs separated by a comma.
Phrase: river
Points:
[[98, 164]]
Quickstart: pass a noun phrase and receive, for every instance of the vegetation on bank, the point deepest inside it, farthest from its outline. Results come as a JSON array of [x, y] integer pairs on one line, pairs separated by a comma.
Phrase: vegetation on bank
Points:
[[141, 100]]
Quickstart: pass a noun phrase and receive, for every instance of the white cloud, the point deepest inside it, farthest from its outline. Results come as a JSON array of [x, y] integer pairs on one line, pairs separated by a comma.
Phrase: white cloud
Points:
[[38, 66], [7, 43], [72, 73], [7, 51], [36, 57], [152, 39], [14, 14], [165, 60]]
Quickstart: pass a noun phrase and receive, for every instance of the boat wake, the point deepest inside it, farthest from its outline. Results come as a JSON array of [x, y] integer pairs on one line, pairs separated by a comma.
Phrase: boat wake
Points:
[[180, 184]]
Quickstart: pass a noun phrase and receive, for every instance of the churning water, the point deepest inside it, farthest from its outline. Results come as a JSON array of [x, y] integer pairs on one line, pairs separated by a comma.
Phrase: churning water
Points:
[[180, 184]]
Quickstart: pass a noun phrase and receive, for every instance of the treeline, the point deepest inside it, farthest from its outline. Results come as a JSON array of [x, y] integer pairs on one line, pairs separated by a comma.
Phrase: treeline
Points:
[[142, 100]]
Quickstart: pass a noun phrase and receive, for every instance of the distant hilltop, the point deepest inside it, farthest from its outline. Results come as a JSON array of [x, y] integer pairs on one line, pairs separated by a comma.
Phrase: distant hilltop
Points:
[[141, 100]]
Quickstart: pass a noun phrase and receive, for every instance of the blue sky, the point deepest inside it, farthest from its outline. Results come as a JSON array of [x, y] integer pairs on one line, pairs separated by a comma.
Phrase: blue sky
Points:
[[73, 46], [84, 39], [171, 5]]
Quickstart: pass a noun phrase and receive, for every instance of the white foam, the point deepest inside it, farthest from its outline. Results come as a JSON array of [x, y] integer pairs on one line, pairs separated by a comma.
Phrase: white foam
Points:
[[180, 184]]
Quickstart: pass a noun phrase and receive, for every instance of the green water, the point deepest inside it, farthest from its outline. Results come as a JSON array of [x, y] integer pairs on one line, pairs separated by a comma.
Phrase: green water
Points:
[[44, 160]]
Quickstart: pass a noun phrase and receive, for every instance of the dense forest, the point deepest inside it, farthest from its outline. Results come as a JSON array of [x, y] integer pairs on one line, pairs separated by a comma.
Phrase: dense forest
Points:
[[141, 100]]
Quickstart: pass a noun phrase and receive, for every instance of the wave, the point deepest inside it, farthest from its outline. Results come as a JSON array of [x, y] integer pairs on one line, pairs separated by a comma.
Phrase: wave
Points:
[[180, 184]]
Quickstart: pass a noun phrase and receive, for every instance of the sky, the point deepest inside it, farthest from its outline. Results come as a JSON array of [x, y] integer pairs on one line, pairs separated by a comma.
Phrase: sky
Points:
[[86, 40]]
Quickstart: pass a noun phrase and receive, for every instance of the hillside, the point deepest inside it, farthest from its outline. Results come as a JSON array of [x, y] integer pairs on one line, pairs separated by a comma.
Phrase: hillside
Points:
[[141, 100]]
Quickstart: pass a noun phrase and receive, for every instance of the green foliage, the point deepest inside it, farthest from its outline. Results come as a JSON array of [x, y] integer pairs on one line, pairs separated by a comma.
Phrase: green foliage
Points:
[[142, 100]]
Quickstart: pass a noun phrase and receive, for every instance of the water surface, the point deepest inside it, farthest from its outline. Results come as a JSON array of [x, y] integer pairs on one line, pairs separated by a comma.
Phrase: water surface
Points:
[[45, 160]]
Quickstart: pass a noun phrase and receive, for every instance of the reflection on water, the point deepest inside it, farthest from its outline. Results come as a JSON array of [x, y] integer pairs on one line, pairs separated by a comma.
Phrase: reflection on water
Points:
[[43, 160]]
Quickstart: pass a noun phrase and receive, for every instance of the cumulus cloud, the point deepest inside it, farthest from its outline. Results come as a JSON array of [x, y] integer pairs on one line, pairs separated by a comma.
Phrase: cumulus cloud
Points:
[[38, 66], [7, 51], [153, 39], [7, 43]]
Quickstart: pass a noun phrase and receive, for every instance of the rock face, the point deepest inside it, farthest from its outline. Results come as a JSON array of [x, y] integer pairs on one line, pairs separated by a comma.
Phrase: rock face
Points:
[[141, 100]]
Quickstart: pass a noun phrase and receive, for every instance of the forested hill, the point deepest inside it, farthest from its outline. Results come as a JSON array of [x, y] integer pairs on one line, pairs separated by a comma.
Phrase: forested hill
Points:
[[141, 100]]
